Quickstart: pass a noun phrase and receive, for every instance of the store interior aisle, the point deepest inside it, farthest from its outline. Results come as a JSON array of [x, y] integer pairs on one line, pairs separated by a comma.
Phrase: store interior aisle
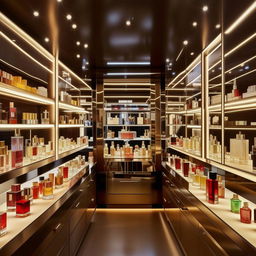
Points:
[[129, 232]]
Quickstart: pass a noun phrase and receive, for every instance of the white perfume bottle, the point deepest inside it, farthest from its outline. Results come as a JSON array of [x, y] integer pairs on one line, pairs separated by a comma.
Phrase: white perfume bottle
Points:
[[140, 119]]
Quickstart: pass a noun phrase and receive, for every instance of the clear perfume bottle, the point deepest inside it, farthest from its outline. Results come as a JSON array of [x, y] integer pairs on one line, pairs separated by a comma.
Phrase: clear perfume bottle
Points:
[[17, 149]]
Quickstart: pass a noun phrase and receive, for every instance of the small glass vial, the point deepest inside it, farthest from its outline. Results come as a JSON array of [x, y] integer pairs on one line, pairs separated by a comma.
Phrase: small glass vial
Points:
[[221, 184], [35, 190], [202, 181], [235, 204], [65, 171], [59, 180], [41, 185], [3, 223], [23, 208], [48, 190], [246, 214], [13, 196]]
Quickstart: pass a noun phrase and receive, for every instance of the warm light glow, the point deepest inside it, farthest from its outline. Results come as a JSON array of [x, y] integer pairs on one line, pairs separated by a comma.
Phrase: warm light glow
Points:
[[167, 60], [86, 46], [185, 42], [46, 39], [25, 126], [59, 1], [192, 53], [241, 18], [70, 107], [77, 43], [36, 13], [217, 26], [74, 26], [194, 24], [124, 63], [128, 23], [130, 74], [78, 56], [129, 84], [70, 125], [69, 16], [205, 8]]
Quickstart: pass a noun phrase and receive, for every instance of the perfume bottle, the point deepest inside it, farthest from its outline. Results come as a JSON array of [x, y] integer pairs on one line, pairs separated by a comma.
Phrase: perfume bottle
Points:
[[245, 214], [177, 163], [3, 223], [17, 149], [221, 186], [140, 119], [112, 149], [90, 158], [41, 185], [235, 204], [13, 196], [35, 190], [27, 195], [196, 178], [23, 208], [45, 117], [185, 169], [3, 115], [59, 179], [202, 180], [12, 114], [51, 178], [212, 188], [2, 155], [48, 190], [253, 155], [65, 171], [235, 91]]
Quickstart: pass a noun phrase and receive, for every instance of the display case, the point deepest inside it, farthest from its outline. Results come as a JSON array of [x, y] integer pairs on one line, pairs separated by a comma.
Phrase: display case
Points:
[[184, 110]]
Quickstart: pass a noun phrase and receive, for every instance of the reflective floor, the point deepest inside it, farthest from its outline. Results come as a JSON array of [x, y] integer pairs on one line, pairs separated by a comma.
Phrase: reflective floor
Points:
[[129, 233]]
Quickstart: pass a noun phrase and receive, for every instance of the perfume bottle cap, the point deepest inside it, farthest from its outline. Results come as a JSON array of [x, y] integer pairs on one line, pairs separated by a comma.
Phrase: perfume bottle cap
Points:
[[212, 175], [41, 178], [35, 184], [15, 187], [246, 204], [11, 104], [26, 191], [235, 196]]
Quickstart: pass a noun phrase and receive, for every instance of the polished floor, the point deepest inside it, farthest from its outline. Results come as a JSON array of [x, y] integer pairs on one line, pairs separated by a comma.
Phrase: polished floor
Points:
[[122, 232]]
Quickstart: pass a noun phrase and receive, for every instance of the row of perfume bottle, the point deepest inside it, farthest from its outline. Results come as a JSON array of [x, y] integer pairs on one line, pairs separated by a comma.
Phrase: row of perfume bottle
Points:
[[127, 150], [67, 98], [128, 120], [212, 184], [18, 156], [69, 143], [67, 119], [9, 116], [193, 103], [216, 120], [239, 151], [188, 144], [235, 94], [19, 199], [20, 83], [125, 134]]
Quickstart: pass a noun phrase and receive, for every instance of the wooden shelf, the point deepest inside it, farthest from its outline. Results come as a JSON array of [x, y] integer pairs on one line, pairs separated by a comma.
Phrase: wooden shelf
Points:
[[71, 108], [71, 126], [26, 126]]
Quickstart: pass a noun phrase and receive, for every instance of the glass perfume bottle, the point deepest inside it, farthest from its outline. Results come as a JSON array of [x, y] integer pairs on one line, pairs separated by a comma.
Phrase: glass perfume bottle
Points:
[[221, 184], [23, 208], [235, 204], [12, 114], [3, 115], [41, 185], [26, 194], [48, 190], [246, 214], [3, 223], [177, 163], [202, 181], [45, 117], [59, 180], [13, 196], [35, 190], [196, 178], [65, 171], [17, 150], [212, 188], [51, 178], [2, 156], [253, 155], [185, 169]]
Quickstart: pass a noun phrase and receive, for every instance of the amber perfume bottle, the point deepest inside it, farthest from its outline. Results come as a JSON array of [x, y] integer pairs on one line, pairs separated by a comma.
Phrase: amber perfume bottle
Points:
[[17, 150], [23, 208], [59, 180], [12, 114], [35, 190], [41, 185], [3, 115], [3, 223], [221, 186], [212, 188], [13, 196], [48, 190], [51, 178], [246, 214]]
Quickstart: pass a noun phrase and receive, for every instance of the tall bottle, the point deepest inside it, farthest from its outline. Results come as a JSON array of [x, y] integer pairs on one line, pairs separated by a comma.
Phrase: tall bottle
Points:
[[112, 149], [253, 155], [12, 114], [212, 189], [106, 149], [17, 149]]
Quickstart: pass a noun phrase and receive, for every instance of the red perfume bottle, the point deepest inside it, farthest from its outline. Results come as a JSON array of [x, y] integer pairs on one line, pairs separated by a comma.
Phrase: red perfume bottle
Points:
[[12, 114], [212, 188], [185, 169], [65, 173], [17, 150], [13, 196], [245, 214], [177, 163], [35, 190], [3, 223], [41, 185], [22, 208]]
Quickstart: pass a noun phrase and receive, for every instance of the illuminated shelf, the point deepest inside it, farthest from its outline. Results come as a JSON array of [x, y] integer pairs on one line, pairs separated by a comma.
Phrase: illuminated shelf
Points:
[[192, 126], [128, 125], [88, 126], [71, 151], [25, 126], [237, 127], [71, 125], [187, 153], [131, 111], [176, 125], [14, 92], [72, 108], [189, 111], [135, 139], [215, 127], [120, 158]]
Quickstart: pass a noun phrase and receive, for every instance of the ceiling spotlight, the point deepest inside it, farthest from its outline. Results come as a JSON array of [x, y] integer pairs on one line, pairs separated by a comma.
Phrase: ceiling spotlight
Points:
[[167, 60], [46, 39], [217, 26], [194, 24], [78, 56], [192, 53], [69, 16], [36, 13], [59, 1], [128, 23], [170, 64], [74, 26], [86, 45], [83, 67], [205, 8], [173, 73], [185, 42], [77, 43]]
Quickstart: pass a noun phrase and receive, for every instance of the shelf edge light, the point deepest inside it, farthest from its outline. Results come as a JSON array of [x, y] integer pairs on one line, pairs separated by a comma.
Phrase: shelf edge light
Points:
[[130, 74], [241, 18], [117, 63]]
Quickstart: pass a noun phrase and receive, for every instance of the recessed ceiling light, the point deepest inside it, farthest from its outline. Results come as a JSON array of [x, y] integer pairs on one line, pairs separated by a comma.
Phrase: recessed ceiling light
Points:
[[128, 23], [46, 39], [205, 8], [59, 1], [167, 60], [83, 67], [127, 63], [170, 64], [69, 16], [77, 43], [36, 13], [192, 53], [194, 24], [87, 63], [74, 26], [78, 56], [217, 26], [185, 42], [86, 45]]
